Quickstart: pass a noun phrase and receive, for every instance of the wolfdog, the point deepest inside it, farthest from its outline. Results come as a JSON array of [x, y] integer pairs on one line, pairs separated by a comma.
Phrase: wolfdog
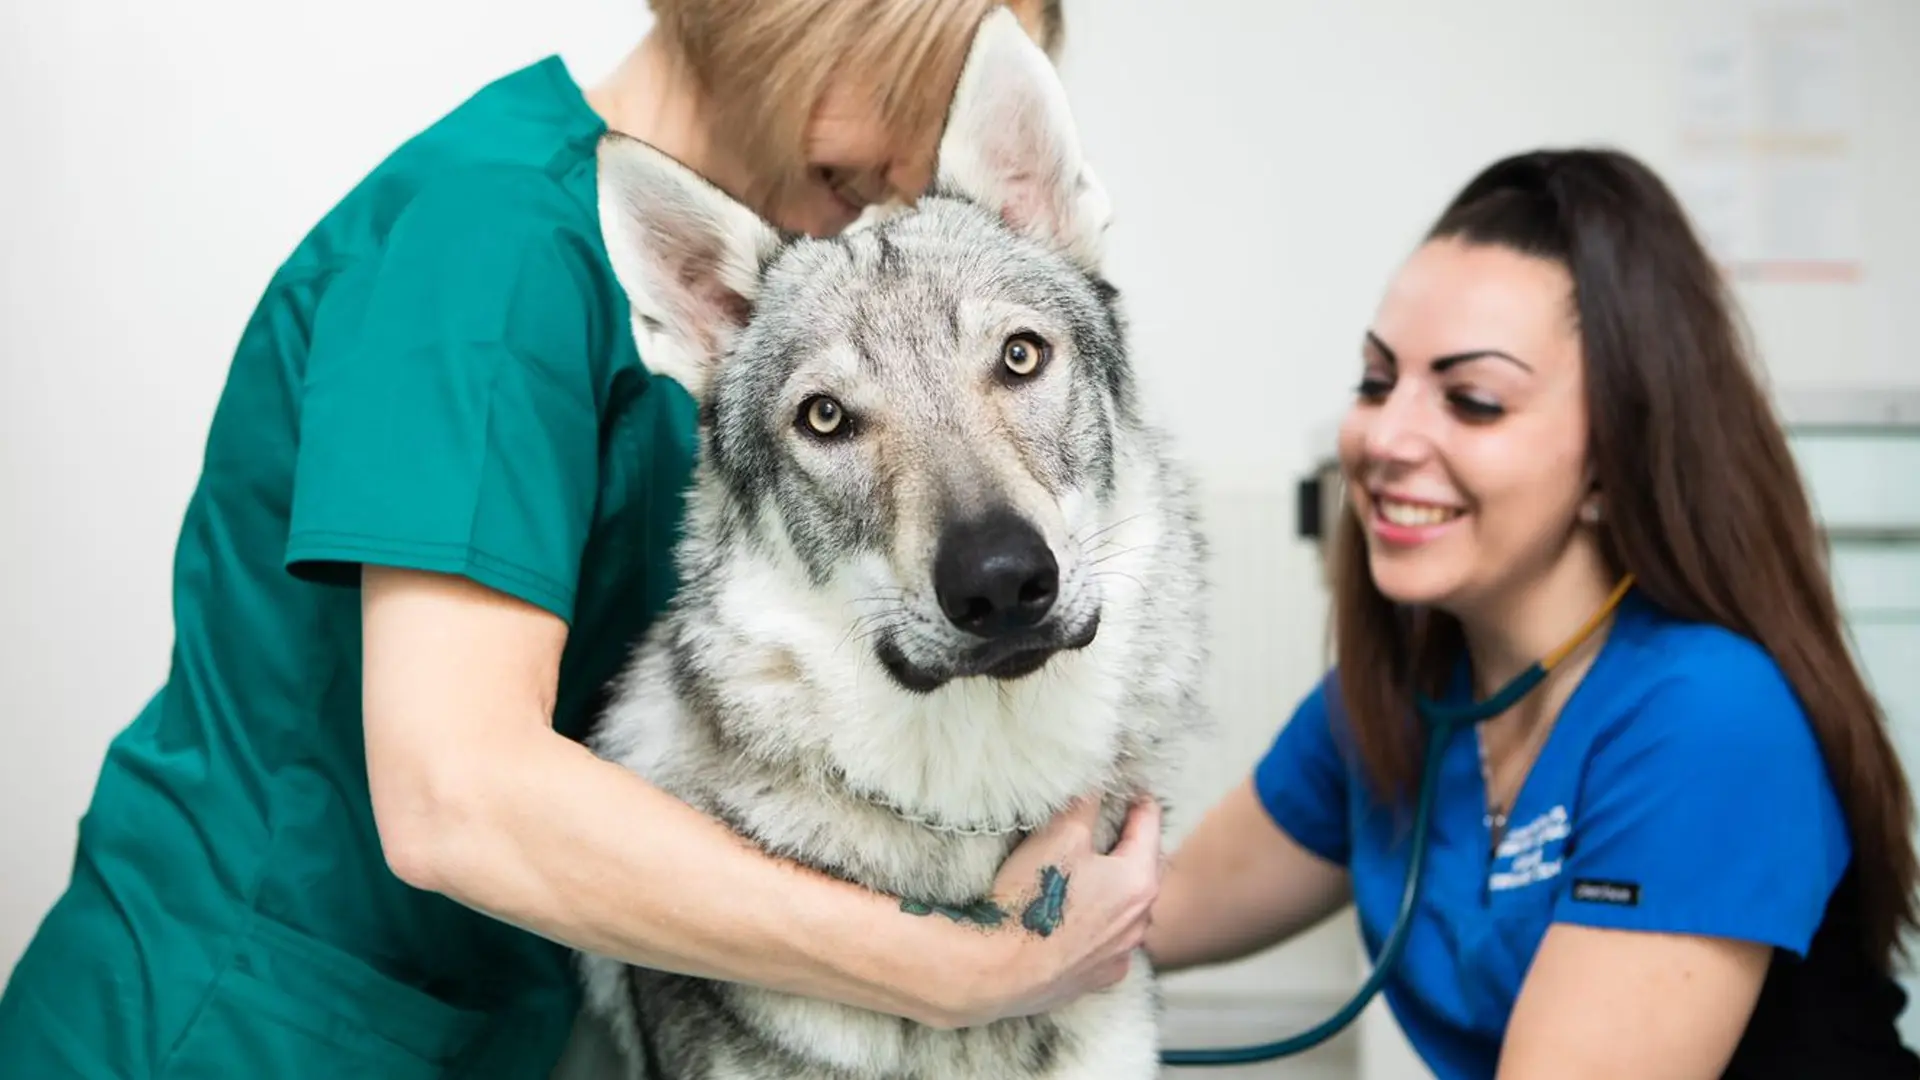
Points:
[[940, 577]]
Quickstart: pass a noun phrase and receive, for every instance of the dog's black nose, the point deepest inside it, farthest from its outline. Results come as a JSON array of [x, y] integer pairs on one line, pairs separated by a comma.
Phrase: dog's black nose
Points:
[[994, 575]]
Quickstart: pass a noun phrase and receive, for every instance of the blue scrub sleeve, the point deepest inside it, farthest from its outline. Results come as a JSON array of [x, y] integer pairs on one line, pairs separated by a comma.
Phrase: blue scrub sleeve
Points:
[[1708, 811], [450, 418], [1303, 780]]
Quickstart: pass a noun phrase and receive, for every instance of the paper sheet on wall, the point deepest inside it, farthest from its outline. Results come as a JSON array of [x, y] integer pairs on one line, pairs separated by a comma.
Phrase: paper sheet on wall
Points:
[[1768, 106]]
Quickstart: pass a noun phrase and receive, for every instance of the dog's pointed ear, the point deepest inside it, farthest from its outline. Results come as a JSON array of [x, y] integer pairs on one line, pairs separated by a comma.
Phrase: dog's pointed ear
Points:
[[687, 254], [1011, 144]]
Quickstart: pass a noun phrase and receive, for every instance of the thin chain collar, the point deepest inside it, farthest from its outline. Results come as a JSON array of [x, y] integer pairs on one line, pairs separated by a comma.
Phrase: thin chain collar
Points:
[[939, 825]]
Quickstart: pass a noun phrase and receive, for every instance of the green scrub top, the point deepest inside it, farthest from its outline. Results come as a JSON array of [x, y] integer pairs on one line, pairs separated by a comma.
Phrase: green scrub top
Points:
[[441, 377]]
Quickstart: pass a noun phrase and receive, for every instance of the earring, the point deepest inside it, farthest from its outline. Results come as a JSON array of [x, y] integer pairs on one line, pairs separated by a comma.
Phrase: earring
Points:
[[1590, 511]]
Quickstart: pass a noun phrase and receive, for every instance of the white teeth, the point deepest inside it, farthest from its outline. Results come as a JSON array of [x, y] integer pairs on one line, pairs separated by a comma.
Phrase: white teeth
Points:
[[1415, 514]]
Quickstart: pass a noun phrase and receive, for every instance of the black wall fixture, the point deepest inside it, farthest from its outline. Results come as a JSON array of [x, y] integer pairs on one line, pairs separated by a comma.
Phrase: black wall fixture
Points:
[[1306, 512]]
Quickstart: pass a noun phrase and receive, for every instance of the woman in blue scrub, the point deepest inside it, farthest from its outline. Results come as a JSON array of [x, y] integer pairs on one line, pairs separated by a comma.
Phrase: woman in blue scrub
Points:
[[354, 832], [1685, 854]]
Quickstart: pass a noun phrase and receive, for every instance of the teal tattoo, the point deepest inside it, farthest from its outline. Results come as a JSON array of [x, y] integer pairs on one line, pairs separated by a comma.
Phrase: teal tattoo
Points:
[[1043, 916], [980, 912]]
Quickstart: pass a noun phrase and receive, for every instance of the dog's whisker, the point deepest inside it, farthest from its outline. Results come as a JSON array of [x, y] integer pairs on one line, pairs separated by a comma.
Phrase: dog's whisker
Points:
[[866, 619], [862, 628], [884, 628], [868, 627], [1107, 528], [1105, 545], [880, 598], [1099, 528]]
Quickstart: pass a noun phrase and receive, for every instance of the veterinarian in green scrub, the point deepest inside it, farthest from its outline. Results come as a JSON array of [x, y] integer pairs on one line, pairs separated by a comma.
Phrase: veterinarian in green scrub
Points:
[[354, 834], [1685, 852]]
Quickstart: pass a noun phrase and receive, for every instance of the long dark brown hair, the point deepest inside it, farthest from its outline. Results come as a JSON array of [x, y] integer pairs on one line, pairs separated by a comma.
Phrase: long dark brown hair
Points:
[[1704, 504]]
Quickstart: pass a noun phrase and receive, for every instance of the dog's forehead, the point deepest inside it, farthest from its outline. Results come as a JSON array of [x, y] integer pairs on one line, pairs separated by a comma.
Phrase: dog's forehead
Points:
[[911, 269]]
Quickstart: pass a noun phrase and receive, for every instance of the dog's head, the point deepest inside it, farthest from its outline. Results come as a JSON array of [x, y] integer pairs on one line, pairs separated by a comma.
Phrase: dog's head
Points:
[[921, 411]]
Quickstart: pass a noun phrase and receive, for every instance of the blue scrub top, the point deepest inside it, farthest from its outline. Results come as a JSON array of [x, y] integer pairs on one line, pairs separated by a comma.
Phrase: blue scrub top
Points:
[[1681, 790]]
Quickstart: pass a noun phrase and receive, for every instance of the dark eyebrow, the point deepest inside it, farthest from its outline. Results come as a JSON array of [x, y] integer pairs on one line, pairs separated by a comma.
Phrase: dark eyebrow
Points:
[[1442, 363]]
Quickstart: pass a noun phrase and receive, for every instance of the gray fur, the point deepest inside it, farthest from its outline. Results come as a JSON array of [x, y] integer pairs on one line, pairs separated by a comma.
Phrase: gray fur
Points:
[[806, 686]]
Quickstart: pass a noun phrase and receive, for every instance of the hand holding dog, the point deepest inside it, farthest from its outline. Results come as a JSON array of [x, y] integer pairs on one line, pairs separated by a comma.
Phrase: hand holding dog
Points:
[[1079, 915]]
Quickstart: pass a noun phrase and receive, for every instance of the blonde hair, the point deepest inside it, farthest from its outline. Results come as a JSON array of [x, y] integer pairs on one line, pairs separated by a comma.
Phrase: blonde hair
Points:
[[763, 66]]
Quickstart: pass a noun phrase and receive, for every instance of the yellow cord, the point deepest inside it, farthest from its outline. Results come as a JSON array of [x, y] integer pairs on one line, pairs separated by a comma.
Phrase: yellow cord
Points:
[[1619, 593]]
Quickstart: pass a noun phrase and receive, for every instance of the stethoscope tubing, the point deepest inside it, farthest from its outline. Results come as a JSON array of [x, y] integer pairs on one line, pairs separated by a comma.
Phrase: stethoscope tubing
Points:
[[1443, 729], [1443, 721]]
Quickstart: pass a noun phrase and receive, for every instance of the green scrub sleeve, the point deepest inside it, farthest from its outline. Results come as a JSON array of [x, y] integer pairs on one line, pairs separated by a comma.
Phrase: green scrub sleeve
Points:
[[449, 418]]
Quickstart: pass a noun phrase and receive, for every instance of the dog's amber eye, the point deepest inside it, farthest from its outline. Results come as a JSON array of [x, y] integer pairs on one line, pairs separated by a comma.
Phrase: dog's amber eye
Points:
[[1023, 354], [822, 415]]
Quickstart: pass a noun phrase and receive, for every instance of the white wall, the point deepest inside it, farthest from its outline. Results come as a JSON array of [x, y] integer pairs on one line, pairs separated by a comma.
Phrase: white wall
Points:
[[1271, 160]]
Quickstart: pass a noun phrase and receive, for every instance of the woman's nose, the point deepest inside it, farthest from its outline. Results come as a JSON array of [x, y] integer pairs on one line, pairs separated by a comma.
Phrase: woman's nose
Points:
[[1399, 429]]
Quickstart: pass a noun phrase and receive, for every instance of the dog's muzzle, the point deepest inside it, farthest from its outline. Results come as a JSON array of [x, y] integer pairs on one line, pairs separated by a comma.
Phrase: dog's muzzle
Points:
[[997, 582]]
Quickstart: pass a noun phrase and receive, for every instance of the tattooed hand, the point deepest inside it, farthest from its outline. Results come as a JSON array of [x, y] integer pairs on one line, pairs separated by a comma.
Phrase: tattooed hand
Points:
[[1081, 915], [1041, 915]]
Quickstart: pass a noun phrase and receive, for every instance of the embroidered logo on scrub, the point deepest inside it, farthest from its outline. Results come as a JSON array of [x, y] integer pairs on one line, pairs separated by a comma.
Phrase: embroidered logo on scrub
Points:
[[1530, 853]]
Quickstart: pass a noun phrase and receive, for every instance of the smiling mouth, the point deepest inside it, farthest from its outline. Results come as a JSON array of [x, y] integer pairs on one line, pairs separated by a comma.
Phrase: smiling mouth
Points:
[[1412, 515], [1006, 660]]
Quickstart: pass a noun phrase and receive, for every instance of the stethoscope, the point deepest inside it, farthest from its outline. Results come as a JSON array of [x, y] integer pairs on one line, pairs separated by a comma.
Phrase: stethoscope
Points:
[[1444, 721]]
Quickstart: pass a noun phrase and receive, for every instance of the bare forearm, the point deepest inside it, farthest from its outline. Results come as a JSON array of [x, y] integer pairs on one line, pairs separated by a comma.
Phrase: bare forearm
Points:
[[1236, 887], [579, 850], [1197, 923]]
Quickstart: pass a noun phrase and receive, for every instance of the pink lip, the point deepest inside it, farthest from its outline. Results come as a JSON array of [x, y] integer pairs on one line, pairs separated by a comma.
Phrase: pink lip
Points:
[[1408, 535]]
